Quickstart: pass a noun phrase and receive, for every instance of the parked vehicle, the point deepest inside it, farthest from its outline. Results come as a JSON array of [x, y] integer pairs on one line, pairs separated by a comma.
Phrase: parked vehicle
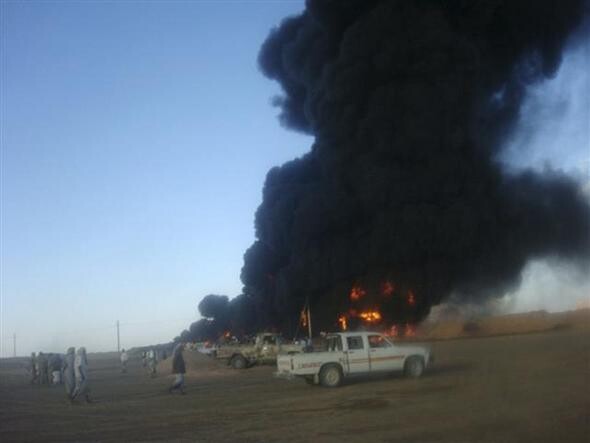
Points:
[[265, 349], [207, 348], [354, 353]]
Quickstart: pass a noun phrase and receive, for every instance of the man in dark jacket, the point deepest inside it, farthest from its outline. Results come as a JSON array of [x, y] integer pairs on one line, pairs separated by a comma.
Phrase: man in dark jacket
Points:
[[34, 369], [178, 369], [43, 369], [55, 364]]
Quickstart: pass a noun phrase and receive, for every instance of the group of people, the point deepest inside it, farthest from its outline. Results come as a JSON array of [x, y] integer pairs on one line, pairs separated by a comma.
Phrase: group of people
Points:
[[46, 369], [70, 370], [150, 361]]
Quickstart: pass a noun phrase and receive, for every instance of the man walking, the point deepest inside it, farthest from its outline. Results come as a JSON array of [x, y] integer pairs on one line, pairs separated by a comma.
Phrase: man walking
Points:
[[178, 369], [152, 362], [124, 359], [69, 372], [81, 370], [55, 365], [43, 365], [34, 367]]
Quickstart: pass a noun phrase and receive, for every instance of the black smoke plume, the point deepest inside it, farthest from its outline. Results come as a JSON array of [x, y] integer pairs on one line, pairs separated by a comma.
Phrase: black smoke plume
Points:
[[219, 317], [410, 103], [401, 197]]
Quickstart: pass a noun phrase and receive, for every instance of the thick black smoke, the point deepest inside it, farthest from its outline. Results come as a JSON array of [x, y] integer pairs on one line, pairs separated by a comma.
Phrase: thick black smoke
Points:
[[410, 103], [220, 316]]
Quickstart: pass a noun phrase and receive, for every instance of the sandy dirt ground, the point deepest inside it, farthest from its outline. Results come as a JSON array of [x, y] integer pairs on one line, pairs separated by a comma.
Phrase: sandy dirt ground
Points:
[[522, 388]]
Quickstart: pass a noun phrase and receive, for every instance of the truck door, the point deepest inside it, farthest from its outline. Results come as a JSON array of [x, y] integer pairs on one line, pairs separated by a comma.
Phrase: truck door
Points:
[[357, 354], [269, 348], [383, 356]]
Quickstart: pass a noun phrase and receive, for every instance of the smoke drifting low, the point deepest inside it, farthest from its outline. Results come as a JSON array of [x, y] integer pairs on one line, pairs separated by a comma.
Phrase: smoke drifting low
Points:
[[401, 196]]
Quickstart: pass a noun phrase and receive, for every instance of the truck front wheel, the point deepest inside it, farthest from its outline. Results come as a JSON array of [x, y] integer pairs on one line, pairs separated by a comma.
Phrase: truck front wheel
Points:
[[238, 362], [414, 367], [331, 376]]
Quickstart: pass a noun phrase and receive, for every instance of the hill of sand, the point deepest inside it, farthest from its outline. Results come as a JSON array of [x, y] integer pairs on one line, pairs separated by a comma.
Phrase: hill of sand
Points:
[[529, 322]]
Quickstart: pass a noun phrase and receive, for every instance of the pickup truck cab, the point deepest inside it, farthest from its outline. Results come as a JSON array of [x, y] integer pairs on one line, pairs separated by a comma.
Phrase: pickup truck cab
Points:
[[354, 353]]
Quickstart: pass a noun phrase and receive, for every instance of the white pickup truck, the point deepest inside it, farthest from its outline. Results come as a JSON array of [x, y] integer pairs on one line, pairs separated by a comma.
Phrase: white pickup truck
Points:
[[352, 353]]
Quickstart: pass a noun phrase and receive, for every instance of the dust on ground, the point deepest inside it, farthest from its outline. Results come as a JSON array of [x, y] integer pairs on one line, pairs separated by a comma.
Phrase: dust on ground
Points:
[[533, 387]]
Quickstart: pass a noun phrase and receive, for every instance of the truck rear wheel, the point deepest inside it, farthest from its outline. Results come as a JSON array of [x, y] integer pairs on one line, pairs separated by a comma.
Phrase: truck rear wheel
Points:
[[414, 367], [238, 362], [331, 376]]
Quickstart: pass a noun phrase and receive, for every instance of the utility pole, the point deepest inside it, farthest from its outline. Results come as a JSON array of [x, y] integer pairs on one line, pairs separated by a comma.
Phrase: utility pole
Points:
[[14, 344], [118, 339], [308, 320]]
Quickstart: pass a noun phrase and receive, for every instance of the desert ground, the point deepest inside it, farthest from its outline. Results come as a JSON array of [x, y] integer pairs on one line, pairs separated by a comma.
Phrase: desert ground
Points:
[[512, 388]]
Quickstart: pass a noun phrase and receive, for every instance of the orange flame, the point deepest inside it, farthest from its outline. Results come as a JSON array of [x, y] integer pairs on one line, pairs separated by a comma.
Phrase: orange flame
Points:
[[387, 288], [410, 330], [370, 316], [411, 298], [356, 293], [303, 318], [343, 322], [394, 331]]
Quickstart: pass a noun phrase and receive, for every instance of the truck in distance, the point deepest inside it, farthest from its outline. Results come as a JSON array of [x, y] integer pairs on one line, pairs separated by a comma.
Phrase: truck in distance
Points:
[[265, 349], [354, 353]]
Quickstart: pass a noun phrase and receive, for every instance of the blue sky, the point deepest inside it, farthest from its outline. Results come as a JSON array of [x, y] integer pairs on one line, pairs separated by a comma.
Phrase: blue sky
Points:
[[554, 128], [135, 140]]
